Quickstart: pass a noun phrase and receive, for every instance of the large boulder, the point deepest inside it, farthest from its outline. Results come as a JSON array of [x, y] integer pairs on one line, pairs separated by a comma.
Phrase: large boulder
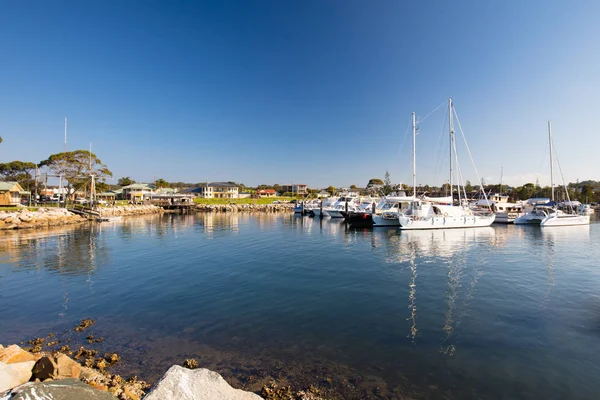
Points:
[[45, 368], [66, 389], [198, 384], [13, 375], [67, 367], [14, 354]]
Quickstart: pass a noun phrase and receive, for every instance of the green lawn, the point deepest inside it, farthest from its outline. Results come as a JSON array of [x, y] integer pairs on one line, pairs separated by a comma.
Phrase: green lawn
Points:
[[242, 201]]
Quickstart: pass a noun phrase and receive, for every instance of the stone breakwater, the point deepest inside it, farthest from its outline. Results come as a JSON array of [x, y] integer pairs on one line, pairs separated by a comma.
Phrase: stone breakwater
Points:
[[130, 210], [40, 218], [272, 208]]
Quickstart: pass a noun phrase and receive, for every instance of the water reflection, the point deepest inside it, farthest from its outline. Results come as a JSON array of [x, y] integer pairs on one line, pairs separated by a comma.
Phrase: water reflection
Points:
[[463, 270]]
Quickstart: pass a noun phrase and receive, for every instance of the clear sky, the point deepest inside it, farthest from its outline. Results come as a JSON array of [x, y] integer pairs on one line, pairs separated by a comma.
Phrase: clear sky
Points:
[[316, 92]]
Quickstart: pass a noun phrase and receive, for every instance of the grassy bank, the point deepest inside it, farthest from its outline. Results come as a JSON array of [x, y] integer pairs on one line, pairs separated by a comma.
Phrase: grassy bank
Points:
[[242, 201]]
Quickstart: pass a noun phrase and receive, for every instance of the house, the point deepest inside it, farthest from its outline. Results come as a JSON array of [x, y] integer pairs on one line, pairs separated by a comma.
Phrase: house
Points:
[[298, 188], [216, 190], [10, 193], [137, 191], [323, 194], [266, 193], [108, 196], [165, 190]]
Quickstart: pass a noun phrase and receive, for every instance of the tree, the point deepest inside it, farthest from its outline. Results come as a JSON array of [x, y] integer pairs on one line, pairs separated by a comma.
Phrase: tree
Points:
[[19, 171], [587, 194], [76, 167], [353, 187], [125, 181], [374, 182], [161, 183], [387, 184], [468, 187], [331, 190]]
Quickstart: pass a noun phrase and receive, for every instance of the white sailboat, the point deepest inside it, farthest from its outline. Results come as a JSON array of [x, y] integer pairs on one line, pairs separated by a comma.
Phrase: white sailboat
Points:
[[548, 214], [441, 213]]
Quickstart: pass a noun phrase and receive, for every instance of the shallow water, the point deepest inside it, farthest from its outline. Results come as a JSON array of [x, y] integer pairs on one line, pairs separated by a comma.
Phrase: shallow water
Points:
[[500, 312]]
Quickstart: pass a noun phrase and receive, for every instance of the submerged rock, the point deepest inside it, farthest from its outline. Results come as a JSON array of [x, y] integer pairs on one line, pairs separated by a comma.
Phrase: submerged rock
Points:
[[198, 384], [66, 389], [190, 363], [84, 324]]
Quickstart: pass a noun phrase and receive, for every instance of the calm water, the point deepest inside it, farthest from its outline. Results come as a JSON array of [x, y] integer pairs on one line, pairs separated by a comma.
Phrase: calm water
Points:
[[502, 312]]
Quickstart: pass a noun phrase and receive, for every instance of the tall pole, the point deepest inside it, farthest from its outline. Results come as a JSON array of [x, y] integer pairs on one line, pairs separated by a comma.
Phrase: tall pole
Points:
[[65, 146], [501, 173], [451, 124], [551, 170], [414, 132]]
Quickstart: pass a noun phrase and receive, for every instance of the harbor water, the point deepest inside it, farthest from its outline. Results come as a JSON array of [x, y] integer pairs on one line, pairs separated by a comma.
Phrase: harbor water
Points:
[[503, 312]]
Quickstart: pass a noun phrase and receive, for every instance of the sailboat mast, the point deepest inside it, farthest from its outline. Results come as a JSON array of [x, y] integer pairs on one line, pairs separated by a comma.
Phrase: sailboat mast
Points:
[[501, 173], [551, 166], [451, 124], [414, 132]]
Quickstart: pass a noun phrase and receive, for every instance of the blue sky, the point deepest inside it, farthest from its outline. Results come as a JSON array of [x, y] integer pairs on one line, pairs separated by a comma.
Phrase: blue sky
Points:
[[318, 92]]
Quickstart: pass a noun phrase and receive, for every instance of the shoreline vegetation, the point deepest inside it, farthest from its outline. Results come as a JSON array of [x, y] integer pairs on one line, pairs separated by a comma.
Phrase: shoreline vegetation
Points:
[[57, 364]]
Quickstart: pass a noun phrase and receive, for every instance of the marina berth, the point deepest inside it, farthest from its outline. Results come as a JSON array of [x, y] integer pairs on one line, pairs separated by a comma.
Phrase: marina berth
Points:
[[440, 212], [551, 214]]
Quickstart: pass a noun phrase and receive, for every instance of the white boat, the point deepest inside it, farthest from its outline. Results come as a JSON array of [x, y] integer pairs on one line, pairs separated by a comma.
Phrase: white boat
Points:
[[388, 212], [547, 215], [335, 210], [441, 213], [506, 212]]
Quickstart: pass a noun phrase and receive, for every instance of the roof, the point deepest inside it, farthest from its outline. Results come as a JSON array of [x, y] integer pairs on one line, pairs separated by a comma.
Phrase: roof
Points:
[[216, 184], [267, 191], [139, 186], [10, 186], [107, 194]]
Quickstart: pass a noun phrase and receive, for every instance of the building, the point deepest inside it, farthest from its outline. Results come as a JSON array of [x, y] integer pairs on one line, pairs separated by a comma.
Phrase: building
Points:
[[10, 193], [216, 190], [266, 193], [137, 192], [299, 188]]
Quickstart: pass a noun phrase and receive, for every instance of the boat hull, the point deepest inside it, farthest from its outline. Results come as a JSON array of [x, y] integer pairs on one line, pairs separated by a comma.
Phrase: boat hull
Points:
[[335, 214], [471, 221], [360, 219], [506, 218], [386, 220], [566, 220]]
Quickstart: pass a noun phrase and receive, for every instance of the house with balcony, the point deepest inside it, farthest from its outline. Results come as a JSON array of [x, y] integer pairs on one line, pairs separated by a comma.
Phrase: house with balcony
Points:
[[10, 193], [299, 189], [137, 192], [216, 190]]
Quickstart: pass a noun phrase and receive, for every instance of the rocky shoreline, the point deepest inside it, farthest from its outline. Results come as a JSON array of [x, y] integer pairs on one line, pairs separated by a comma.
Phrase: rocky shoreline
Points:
[[37, 372], [40, 218], [269, 208], [47, 368], [50, 217], [130, 210]]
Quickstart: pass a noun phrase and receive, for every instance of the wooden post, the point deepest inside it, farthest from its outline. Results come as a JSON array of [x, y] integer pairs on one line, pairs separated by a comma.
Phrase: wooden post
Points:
[[346, 207], [321, 208], [302, 207], [373, 209]]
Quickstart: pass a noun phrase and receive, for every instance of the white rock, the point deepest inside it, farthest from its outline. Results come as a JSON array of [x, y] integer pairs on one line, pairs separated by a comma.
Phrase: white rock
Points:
[[13, 375], [198, 384]]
